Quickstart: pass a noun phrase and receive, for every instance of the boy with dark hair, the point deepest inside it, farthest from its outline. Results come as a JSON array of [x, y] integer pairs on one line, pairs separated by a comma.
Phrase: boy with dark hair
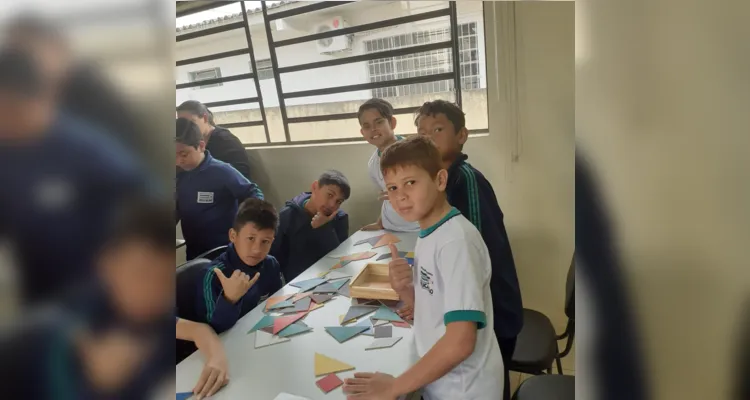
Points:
[[459, 355], [245, 274], [208, 192], [220, 142], [471, 193], [312, 224], [377, 123]]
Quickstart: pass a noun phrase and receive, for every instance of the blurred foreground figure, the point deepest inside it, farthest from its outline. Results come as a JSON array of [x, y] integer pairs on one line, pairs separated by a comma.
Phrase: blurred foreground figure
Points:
[[61, 180], [113, 340], [609, 334]]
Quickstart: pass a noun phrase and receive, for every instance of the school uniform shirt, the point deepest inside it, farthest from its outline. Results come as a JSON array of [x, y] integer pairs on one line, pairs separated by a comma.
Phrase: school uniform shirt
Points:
[[297, 245], [471, 193], [211, 305], [59, 197], [389, 217], [452, 283], [228, 148], [207, 201]]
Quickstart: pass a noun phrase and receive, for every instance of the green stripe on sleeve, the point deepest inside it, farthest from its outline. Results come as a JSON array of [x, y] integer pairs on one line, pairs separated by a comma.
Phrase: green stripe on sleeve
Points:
[[472, 196], [208, 293], [466, 316]]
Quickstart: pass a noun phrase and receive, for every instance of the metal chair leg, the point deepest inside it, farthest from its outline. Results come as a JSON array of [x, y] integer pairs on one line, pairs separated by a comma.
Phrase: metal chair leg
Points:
[[559, 365]]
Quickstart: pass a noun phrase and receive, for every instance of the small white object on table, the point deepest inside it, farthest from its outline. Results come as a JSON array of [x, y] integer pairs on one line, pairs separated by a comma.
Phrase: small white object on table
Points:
[[264, 373]]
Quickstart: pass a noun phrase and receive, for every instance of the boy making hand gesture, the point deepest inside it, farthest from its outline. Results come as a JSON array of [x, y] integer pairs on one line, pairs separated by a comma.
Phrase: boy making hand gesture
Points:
[[236, 285]]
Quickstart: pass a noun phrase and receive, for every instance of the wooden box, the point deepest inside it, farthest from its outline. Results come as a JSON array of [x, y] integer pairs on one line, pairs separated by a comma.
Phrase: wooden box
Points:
[[373, 283]]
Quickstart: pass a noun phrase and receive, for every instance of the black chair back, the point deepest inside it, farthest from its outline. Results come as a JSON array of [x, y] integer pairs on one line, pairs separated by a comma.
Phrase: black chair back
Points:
[[213, 253], [187, 276], [570, 290]]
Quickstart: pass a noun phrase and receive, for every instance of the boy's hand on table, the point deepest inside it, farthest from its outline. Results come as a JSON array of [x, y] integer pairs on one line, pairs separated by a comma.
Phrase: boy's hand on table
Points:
[[321, 219], [215, 372], [369, 386], [399, 271], [236, 285], [375, 226]]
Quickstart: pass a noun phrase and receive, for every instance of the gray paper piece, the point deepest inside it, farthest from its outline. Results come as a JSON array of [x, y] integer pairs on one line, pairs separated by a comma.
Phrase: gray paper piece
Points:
[[383, 343], [384, 331]]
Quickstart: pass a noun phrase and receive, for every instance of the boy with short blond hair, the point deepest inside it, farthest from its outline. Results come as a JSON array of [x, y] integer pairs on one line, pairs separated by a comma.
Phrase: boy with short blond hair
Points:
[[448, 286]]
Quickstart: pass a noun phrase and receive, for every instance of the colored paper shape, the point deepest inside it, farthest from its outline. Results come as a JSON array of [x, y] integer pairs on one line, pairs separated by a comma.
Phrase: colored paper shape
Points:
[[368, 323], [386, 314], [266, 321], [299, 296], [268, 329], [339, 283], [323, 274], [263, 339], [273, 300], [392, 304], [357, 312], [184, 395], [282, 304], [370, 240], [333, 275], [282, 322], [309, 284], [377, 322], [358, 256], [401, 254], [385, 240], [384, 331], [344, 263], [325, 288], [383, 343], [321, 298], [294, 329], [337, 266], [401, 324], [344, 291], [326, 365], [329, 383], [344, 333], [315, 307], [303, 305]]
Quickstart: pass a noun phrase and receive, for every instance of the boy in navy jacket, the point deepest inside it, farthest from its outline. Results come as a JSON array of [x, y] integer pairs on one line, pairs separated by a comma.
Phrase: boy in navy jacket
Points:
[[312, 224], [471, 193], [208, 192], [245, 274]]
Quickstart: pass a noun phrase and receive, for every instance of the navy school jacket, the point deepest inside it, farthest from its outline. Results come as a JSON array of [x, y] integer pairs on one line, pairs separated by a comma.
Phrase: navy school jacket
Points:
[[215, 310], [207, 202], [471, 193], [297, 245]]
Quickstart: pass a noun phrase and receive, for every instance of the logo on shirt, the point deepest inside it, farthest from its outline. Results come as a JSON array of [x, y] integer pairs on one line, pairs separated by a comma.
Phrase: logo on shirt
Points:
[[205, 197], [425, 280]]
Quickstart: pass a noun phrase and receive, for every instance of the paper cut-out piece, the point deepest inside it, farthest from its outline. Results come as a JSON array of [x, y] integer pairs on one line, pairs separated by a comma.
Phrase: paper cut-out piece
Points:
[[321, 298], [377, 322], [344, 263], [324, 273], [344, 333], [385, 313], [401, 324], [314, 307], [286, 310], [325, 288], [280, 305], [342, 323], [337, 266], [383, 343], [299, 296], [271, 301], [392, 304], [326, 365], [365, 302], [339, 283], [268, 329], [334, 275], [344, 291], [368, 323], [263, 339], [282, 322], [402, 254], [329, 383], [385, 240], [303, 305], [357, 312], [294, 329], [384, 331], [371, 240], [267, 320], [184, 395], [358, 256], [309, 284]]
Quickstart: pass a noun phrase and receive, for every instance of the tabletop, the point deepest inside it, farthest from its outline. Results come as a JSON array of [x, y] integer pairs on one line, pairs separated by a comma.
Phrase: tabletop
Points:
[[263, 373]]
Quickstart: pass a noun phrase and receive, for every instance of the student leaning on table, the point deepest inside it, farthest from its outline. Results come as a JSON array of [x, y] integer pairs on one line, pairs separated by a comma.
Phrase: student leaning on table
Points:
[[459, 355]]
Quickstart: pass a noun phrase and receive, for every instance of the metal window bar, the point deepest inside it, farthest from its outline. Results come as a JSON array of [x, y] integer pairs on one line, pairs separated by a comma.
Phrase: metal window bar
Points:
[[450, 11], [191, 7], [244, 24]]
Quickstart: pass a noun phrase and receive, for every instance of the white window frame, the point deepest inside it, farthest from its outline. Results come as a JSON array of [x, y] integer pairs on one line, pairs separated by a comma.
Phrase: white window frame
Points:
[[193, 76]]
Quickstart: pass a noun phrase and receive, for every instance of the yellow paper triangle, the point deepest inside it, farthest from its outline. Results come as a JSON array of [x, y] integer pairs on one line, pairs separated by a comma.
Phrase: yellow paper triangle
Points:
[[326, 365]]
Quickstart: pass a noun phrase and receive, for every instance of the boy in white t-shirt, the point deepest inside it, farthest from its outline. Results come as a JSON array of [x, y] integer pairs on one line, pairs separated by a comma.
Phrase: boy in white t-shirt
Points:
[[377, 123], [449, 286]]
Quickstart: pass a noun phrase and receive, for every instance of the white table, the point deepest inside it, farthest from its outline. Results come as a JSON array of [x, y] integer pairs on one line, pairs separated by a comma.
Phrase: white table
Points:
[[261, 374]]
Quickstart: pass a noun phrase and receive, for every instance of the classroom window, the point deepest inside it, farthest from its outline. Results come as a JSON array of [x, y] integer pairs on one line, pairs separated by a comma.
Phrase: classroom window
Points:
[[205, 74], [265, 69]]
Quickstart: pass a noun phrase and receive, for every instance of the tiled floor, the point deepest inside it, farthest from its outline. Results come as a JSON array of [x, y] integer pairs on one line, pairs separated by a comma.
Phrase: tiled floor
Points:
[[568, 364]]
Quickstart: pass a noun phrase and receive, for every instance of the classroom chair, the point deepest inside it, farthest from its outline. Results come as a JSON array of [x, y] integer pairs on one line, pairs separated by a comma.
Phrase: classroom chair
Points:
[[536, 346], [213, 253], [547, 387], [187, 274]]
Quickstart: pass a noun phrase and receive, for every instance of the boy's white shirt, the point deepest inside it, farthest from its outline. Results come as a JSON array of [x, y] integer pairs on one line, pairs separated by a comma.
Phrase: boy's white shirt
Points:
[[451, 276], [390, 218]]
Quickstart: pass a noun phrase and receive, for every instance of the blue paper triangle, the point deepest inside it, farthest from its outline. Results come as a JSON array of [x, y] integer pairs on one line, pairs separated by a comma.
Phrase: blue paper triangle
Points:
[[385, 314], [344, 333], [294, 329], [339, 283], [184, 395], [304, 286], [264, 322]]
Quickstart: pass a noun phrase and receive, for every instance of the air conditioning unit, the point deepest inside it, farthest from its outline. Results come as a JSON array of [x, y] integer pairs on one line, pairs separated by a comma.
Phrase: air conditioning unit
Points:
[[334, 44]]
